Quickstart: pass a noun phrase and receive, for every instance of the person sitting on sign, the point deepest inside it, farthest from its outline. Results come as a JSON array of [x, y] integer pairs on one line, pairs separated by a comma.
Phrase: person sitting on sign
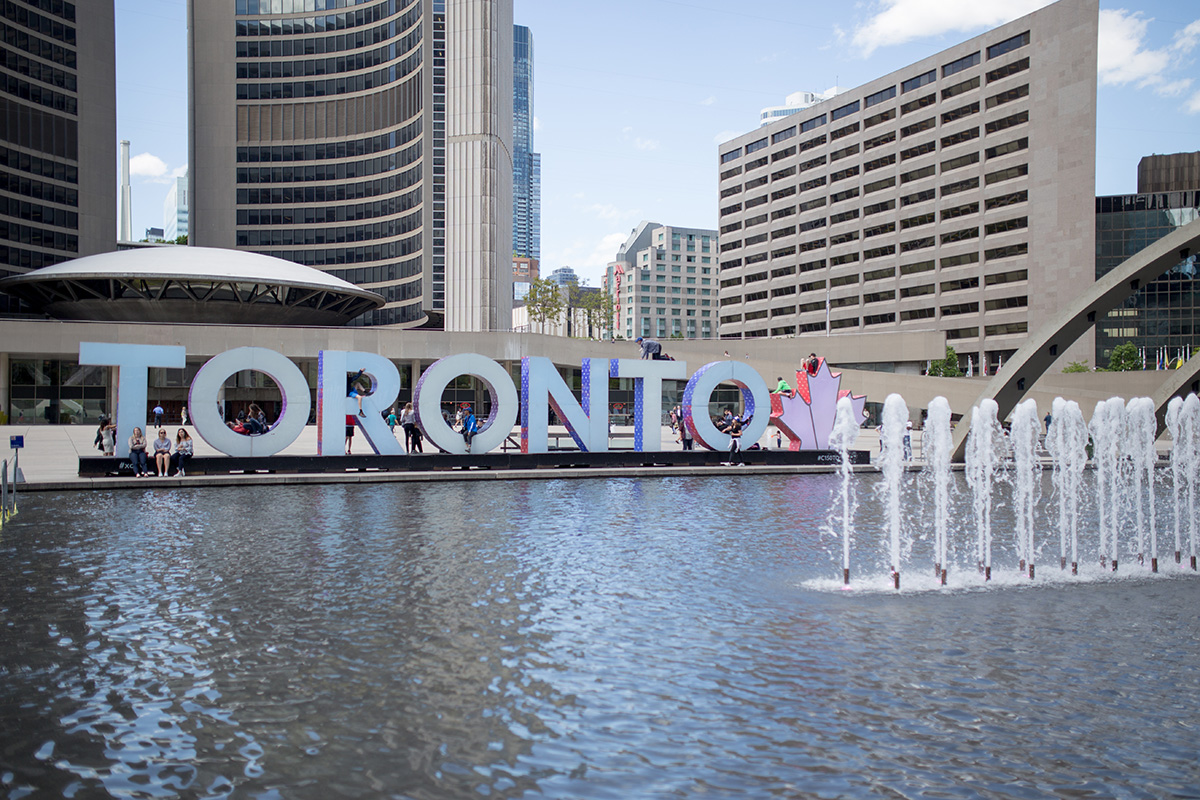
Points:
[[813, 364], [184, 450], [783, 387]]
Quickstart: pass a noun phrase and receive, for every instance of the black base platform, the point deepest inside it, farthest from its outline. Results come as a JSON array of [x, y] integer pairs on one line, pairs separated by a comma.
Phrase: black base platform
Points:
[[100, 466]]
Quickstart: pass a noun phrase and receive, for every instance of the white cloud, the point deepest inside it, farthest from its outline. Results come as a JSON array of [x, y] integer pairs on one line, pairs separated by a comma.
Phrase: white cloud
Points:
[[607, 211], [153, 169], [900, 21], [1125, 59], [645, 144], [1193, 104], [147, 165], [537, 124], [708, 101], [725, 136]]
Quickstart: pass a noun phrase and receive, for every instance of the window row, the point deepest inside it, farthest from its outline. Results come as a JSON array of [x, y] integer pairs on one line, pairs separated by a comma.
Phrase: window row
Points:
[[342, 235], [15, 87], [35, 165], [30, 259], [301, 25], [35, 46], [330, 86], [37, 23], [40, 214], [327, 66], [38, 71], [39, 190], [38, 237], [353, 148], [385, 251], [321, 215]]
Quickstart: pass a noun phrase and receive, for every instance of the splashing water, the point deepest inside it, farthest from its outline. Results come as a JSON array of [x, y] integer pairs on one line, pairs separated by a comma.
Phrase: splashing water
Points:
[[1066, 441], [1189, 445], [1174, 410], [845, 432], [984, 445], [1107, 428], [1138, 445], [895, 419], [1024, 440], [939, 439]]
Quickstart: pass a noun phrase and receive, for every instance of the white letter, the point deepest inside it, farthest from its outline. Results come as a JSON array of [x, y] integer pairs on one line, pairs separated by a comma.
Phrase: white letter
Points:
[[334, 403], [428, 402], [755, 396], [206, 417], [647, 396], [133, 362], [543, 386]]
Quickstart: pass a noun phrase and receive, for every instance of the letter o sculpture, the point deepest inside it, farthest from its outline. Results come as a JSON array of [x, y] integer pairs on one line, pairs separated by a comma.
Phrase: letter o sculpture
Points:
[[755, 395], [293, 386], [501, 419]]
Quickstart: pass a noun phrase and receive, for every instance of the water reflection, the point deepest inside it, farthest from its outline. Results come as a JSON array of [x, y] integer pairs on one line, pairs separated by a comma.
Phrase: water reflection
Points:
[[558, 638]]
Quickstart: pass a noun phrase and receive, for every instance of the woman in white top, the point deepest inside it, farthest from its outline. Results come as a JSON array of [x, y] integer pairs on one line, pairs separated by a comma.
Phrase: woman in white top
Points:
[[408, 421]]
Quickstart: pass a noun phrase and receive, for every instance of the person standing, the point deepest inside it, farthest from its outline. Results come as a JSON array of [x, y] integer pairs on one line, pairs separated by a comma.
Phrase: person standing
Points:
[[137, 453], [408, 421], [183, 416], [685, 435], [735, 441], [108, 436], [470, 426], [350, 423], [1048, 419], [908, 441], [158, 415]]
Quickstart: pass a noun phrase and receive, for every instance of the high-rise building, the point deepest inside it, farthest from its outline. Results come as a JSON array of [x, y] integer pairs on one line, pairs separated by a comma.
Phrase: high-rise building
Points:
[[175, 210], [954, 194], [1162, 318], [371, 140], [663, 283], [58, 134], [527, 165], [1177, 172], [794, 103]]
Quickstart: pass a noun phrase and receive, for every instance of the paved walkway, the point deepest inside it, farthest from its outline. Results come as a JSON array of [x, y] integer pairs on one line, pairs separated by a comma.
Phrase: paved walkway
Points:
[[50, 462]]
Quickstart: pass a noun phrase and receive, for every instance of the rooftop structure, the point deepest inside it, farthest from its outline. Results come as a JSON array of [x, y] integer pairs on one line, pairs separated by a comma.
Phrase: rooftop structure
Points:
[[795, 103], [190, 284]]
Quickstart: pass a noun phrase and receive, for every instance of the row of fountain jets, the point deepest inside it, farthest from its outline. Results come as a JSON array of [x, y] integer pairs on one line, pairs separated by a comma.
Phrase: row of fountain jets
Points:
[[1119, 441]]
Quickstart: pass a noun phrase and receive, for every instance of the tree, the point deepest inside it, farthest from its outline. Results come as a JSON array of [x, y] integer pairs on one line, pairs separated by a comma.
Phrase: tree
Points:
[[1076, 366], [946, 368], [544, 302], [1125, 358], [597, 309], [181, 239]]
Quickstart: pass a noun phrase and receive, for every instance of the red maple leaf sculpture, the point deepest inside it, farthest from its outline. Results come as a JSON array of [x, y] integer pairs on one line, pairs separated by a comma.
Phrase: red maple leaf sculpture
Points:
[[807, 416]]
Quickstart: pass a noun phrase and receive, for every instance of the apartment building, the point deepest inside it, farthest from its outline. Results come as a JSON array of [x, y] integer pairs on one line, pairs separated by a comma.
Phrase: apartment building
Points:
[[955, 194]]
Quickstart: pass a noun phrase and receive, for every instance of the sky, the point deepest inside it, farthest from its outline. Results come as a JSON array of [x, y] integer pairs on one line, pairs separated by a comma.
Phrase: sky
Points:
[[632, 97]]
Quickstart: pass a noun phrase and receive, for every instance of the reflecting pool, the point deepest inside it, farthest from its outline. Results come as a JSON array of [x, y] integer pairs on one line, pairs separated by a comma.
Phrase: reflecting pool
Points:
[[595, 639]]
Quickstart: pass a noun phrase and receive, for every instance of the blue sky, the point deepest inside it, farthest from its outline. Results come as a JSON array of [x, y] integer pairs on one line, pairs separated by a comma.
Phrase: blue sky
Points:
[[631, 101]]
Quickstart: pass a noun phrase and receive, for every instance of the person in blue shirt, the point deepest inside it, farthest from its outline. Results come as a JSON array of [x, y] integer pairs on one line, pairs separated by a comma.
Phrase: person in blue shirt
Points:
[[470, 426]]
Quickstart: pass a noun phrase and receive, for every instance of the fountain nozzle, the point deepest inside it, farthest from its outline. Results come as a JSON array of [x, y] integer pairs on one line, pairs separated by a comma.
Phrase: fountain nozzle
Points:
[[1178, 557], [1193, 563], [1114, 565], [1030, 570], [846, 576], [1153, 564], [987, 573], [896, 578], [943, 577], [1062, 562], [1074, 567]]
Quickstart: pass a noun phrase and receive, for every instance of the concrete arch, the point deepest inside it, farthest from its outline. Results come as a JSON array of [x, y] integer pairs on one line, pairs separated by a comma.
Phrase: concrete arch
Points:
[[1179, 383], [1044, 345]]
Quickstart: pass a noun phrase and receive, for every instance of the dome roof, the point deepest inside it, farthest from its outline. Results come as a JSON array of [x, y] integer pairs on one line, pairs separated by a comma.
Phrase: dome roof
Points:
[[191, 284]]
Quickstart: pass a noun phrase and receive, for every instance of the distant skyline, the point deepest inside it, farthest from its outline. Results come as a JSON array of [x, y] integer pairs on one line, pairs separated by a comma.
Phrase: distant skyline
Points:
[[632, 103]]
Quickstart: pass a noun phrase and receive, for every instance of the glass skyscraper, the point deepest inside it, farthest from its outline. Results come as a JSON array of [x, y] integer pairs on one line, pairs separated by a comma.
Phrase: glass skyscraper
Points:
[[527, 165], [1165, 313]]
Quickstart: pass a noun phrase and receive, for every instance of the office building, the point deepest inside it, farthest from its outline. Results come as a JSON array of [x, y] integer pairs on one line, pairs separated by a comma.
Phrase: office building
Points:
[[372, 141], [663, 283], [527, 165], [525, 272], [1162, 319], [955, 194], [175, 210], [563, 276], [1178, 172], [58, 141]]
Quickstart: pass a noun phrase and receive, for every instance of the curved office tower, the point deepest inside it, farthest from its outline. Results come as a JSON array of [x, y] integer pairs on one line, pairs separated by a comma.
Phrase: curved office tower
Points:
[[368, 139]]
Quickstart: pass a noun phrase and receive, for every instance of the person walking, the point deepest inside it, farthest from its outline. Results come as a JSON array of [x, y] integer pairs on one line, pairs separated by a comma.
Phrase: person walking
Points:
[[735, 442], [137, 453], [391, 420], [685, 435]]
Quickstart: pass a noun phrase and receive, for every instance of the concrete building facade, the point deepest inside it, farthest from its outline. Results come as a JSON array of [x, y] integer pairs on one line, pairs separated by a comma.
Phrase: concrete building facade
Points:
[[372, 141], [1177, 172], [663, 283], [955, 194], [525, 272], [58, 135]]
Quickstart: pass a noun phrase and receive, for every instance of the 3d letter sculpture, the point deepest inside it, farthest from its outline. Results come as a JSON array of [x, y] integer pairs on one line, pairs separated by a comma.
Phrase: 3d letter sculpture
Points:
[[334, 406], [503, 393], [542, 387], [133, 362], [206, 388], [647, 396], [755, 397], [807, 416]]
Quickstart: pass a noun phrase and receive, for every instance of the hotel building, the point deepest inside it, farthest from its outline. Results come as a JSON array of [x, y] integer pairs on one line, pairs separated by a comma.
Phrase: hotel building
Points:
[[955, 194], [58, 134], [663, 283], [371, 139]]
